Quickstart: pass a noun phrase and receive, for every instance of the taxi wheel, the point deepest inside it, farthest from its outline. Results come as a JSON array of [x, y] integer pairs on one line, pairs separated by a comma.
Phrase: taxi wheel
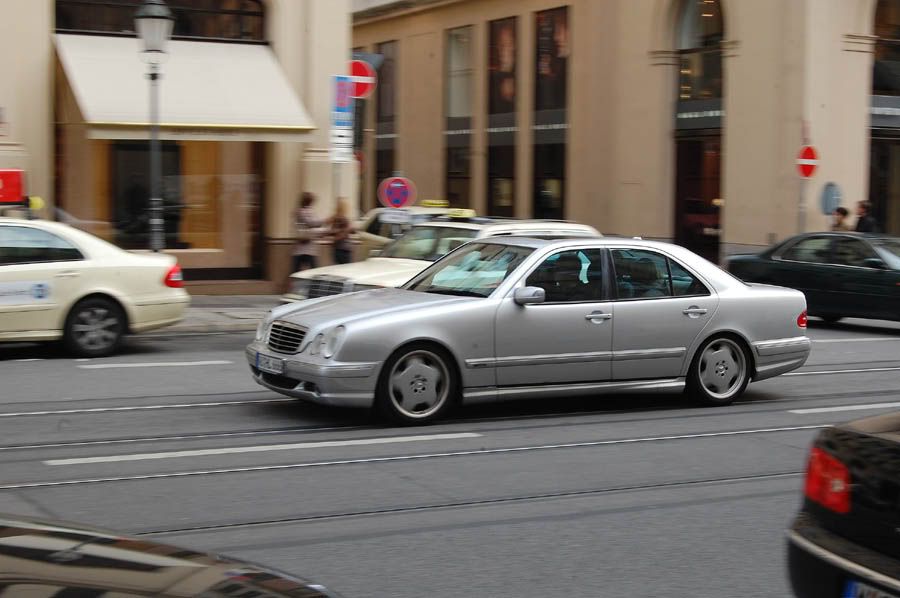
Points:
[[418, 385], [94, 328]]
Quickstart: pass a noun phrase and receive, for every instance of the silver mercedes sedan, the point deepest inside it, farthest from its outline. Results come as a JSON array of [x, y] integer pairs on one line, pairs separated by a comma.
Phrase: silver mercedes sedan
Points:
[[511, 317]]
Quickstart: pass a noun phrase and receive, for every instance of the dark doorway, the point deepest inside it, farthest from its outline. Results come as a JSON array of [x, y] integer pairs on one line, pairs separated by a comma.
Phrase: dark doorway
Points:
[[884, 181], [698, 198]]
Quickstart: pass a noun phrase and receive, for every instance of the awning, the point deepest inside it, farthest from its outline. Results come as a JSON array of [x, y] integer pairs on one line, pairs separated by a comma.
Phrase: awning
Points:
[[208, 91]]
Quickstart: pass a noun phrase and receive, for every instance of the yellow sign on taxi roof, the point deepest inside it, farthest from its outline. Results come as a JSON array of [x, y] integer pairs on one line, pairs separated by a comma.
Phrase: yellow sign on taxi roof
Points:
[[461, 213], [434, 203]]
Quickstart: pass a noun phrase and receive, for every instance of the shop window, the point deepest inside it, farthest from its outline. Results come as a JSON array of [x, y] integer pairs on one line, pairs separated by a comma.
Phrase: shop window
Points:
[[501, 152], [699, 39], [549, 180], [886, 68], [242, 20], [458, 117], [385, 97], [550, 117], [501, 180]]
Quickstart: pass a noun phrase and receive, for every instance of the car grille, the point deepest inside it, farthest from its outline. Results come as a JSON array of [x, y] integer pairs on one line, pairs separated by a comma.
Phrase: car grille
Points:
[[325, 287], [285, 338]]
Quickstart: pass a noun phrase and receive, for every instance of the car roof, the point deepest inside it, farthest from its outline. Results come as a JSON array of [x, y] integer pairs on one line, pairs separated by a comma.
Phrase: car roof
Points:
[[493, 225]]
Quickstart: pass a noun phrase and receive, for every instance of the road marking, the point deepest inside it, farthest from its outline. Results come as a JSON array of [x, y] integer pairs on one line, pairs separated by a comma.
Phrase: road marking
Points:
[[829, 372], [31, 359], [844, 408], [144, 407], [262, 448], [401, 458], [162, 364], [874, 339]]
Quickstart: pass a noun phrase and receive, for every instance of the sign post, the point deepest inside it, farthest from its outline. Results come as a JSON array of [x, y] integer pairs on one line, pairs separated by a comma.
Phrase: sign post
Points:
[[807, 163], [341, 130]]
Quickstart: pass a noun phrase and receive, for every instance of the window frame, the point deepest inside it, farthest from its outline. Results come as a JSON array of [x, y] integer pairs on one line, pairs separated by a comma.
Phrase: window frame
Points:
[[605, 294], [780, 254], [81, 253], [832, 252], [669, 260]]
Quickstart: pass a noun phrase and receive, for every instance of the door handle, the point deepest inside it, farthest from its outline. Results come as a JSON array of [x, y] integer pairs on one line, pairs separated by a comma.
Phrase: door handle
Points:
[[67, 274], [597, 317], [695, 312]]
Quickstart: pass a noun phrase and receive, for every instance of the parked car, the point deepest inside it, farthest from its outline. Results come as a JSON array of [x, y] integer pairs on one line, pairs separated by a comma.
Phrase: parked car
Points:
[[842, 274], [380, 226], [845, 541], [508, 317], [58, 282], [416, 250], [52, 558]]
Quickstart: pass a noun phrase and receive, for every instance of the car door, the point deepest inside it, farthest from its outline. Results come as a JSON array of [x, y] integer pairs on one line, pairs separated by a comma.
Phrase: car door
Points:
[[39, 272], [856, 286], [661, 307], [801, 266], [568, 337]]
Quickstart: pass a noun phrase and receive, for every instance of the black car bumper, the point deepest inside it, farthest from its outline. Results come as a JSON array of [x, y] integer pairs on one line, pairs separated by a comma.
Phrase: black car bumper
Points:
[[822, 564]]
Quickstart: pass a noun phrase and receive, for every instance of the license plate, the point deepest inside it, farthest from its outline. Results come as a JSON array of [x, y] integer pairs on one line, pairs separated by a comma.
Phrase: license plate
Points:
[[272, 365], [856, 589]]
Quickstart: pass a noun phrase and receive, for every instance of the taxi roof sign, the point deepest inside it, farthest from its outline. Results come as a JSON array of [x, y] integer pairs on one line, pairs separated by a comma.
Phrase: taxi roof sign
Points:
[[461, 213], [12, 186], [434, 203]]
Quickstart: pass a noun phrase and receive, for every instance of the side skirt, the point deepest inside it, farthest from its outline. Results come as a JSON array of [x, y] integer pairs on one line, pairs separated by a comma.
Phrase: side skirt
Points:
[[489, 394]]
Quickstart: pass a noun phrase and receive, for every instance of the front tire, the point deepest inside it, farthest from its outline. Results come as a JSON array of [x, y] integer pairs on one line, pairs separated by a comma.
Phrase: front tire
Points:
[[418, 385], [94, 327], [720, 372]]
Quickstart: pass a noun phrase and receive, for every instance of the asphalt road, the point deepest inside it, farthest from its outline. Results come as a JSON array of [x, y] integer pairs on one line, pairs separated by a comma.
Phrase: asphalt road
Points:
[[606, 496]]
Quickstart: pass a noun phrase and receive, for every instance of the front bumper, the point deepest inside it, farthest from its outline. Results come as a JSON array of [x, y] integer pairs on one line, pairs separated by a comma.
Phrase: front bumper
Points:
[[778, 356], [821, 563], [339, 384]]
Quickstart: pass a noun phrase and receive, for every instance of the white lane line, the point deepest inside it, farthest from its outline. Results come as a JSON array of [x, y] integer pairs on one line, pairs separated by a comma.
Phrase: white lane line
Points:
[[31, 359], [262, 448], [830, 372], [145, 407], [874, 339], [185, 474], [844, 408], [158, 364]]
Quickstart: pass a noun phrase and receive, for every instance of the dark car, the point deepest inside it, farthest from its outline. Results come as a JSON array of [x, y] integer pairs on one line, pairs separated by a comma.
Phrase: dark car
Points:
[[845, 541], [50, 558], [842, 274]]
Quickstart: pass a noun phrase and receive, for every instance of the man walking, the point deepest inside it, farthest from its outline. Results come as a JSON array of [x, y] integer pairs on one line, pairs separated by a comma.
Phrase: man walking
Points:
[[865, 222], [839, 222]]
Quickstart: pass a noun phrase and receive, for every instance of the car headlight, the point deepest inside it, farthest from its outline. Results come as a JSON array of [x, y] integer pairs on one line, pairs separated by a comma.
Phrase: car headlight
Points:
[[315, 347], [262, 328], [332, 341], [300, 287]]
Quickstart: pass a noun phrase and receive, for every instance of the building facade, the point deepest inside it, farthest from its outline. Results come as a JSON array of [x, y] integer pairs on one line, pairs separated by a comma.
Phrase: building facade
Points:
[[246, 96], [673, 119]]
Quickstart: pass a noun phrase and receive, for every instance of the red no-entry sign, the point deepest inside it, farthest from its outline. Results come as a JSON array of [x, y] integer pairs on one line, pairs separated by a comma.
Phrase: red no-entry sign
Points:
[[396, 192], [363, 76], [807, 161]]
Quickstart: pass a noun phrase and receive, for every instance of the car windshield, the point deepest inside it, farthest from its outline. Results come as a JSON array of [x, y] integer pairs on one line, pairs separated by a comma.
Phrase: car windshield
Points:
[[473, 271], [428, 242], [890, 251]]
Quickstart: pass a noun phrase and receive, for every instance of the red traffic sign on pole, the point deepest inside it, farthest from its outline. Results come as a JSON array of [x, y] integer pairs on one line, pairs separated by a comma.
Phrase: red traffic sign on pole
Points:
[[396, 192], [807, 161], [363, 76]]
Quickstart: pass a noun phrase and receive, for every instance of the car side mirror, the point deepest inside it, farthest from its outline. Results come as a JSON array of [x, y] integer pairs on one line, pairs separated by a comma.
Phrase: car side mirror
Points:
[[529, 295], [874, 262]]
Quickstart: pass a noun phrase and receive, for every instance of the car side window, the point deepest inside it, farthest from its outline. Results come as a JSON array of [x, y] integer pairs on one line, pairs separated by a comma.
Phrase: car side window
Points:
[[851, 252], [25, 245], [641, 274], [570, 276], [685, 284], [813, 250]]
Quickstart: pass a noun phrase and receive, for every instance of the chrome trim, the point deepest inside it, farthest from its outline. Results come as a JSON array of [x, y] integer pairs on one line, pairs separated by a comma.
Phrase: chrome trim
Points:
[[526, 360], [780, 346], [838, 561], [483, 394], [649, 353]]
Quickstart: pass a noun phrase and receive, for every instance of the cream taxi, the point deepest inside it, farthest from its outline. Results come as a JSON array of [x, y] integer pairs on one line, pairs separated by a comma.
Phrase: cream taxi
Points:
[[61, 283], [417, 249], [380, 226]]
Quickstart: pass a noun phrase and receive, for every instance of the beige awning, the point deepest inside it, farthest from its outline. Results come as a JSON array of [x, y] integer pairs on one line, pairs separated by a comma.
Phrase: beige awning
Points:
[[208, 91]]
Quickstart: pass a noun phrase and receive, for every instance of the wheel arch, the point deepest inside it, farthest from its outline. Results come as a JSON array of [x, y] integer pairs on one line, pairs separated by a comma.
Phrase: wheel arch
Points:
[[427, 341], [729, 333]]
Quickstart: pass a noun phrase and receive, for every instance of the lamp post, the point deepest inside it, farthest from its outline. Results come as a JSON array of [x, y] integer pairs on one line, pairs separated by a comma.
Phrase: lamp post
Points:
[[153, 22]]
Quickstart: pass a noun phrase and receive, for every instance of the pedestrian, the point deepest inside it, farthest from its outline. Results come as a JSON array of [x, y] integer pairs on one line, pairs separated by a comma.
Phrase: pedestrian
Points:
[[839, 219], [306, 250], [865, 222], [339, 232]]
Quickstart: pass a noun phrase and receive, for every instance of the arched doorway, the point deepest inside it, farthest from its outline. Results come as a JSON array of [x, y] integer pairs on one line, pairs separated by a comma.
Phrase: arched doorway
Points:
[[884, 163], [698, 126]]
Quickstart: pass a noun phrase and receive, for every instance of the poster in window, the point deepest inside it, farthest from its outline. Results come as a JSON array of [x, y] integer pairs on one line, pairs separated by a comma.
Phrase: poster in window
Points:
[[502, 66], [551, 64]]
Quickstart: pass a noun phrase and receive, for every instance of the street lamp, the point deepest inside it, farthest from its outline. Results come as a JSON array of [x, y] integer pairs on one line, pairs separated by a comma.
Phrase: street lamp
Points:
[[153, 22]]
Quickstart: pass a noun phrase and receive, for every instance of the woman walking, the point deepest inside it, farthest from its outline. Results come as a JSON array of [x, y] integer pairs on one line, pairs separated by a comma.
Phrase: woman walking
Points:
[[306, 250], [340, 231]]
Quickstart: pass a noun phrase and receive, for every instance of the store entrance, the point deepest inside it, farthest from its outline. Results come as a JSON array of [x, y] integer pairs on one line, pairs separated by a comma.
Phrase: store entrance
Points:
[[698, 197]]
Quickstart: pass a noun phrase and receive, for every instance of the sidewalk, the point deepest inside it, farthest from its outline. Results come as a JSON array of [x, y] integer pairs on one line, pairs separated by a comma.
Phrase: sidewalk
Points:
[[223, 313]]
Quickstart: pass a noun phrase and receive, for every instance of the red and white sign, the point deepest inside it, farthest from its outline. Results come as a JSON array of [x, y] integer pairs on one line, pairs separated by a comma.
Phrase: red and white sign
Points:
[[363, 76], [396, 192], [807, 161], [11, 186]]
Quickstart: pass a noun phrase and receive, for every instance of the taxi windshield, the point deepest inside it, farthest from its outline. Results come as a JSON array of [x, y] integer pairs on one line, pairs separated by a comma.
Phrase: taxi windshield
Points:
[[428, 242], [473, 271]]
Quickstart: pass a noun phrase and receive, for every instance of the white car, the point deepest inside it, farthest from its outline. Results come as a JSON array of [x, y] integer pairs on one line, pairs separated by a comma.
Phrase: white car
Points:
[[416, 250], [58, 282]]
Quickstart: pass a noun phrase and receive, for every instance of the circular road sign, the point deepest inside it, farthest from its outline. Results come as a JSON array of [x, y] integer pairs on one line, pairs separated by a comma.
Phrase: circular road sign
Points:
[[396, 192], [807, 161], [363, 76]]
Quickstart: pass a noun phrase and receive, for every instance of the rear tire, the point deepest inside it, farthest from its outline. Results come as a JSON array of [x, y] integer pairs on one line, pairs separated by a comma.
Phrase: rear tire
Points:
[[94, 327], [720, 372], [418, 385]]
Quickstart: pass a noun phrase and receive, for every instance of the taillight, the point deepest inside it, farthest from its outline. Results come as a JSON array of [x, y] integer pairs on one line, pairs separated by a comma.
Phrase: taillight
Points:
[[802, 319], [828, 481], [174, 278]]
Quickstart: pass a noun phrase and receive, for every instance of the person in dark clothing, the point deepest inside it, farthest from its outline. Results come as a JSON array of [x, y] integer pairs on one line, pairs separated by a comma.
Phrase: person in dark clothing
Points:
[[865, 222]]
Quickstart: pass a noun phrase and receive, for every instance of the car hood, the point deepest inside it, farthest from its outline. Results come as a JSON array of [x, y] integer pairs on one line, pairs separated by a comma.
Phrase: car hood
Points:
[[380, 271], [364, 305], [35, 551]]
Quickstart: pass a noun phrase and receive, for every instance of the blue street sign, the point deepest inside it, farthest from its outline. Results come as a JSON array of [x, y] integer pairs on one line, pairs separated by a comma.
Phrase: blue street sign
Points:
[[342, 111]]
